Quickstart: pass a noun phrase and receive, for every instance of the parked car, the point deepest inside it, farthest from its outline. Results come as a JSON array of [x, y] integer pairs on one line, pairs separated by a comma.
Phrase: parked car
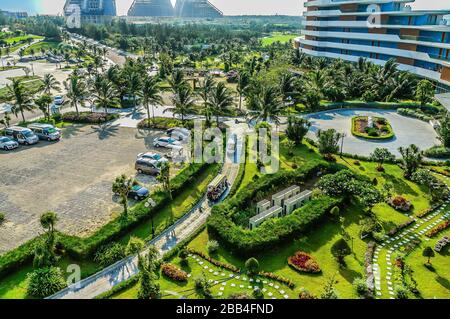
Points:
[[22, 135], [179, 133], [45, 131], [7, 143], [138, 192], [165, 141], [58, 100], [152, 156], [147, 166]]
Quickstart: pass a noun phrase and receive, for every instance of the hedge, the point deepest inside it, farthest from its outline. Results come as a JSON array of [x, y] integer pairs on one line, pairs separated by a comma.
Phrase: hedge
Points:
[[272, 232], [439, 152], [88, 117], [82, 248]]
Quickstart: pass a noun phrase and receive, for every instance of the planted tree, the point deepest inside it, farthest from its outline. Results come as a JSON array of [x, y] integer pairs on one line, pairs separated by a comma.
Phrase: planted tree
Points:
[[412, 157], [105, 96], [242, 86], [122, 187], [340, 250], [381, 156], [44, 254], [297, 129], [184, 102], [444, 131], [164, 178], [148, 286], [50, 83], [424, 92], [328, 142], [220, 100], [43, 102], [429, 253], [76, 92], [45, 282], [20, 99]]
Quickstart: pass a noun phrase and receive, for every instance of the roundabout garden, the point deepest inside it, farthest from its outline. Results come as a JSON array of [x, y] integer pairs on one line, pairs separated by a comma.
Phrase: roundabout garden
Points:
[[373, 128]]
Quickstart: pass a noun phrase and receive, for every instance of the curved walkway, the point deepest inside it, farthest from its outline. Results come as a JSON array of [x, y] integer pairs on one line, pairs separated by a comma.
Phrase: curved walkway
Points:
[[407, 130], [123, 270]]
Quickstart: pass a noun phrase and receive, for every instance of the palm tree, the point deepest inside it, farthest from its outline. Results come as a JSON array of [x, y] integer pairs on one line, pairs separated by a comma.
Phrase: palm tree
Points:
[[176, 79], [268, 105], [151, 95], [105, 95], [204, 93], [76, 91], [50, 83], [287, 86], [183, 101], [43, 102], [242, 85], [133, 83], [20, 99], [220, 99]]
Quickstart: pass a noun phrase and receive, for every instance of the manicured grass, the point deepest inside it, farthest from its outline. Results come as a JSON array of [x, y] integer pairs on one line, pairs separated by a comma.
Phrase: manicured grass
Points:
[[37, 47], [14, 286], [432, 283], [278, 37], [31, 86], [15, 42]]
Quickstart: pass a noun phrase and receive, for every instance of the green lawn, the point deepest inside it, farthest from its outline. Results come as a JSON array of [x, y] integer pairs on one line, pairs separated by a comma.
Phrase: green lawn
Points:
[[37, 47], [278, 37], [32, 86], [14, 42]]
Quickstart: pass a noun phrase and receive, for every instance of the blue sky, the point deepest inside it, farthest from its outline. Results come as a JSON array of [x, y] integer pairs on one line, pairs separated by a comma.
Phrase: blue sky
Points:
[[229, 7]]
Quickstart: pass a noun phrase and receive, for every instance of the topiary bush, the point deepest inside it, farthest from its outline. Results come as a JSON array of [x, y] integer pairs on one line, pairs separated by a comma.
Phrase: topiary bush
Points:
[[45, 282]]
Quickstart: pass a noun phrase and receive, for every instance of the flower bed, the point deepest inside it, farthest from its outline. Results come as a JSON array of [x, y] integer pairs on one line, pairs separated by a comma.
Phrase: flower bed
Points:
[[380, 130], [423, 213], [400, 203], [434, 231], [173, 272], [283, 280], [214, 261], [395, 230], [88, 117], [304, 262]]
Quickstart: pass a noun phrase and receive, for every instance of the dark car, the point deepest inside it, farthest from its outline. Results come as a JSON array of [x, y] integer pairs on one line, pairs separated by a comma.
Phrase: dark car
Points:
[[138, 192]]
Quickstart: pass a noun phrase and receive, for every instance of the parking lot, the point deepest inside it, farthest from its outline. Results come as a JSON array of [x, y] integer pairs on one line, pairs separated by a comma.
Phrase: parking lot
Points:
[[72, 177]]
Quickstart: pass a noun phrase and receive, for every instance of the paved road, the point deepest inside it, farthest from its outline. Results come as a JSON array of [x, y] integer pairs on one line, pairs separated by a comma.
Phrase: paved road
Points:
[[127, 268], [407, 130]]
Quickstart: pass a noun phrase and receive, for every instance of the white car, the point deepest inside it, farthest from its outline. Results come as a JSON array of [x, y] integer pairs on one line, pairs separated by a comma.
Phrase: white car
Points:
[[7, 143], [179, 133], [166, 142], [59, 100], [152, 156]]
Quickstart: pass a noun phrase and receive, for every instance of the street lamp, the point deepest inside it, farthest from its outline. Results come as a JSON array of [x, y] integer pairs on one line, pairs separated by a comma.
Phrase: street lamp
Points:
[[343, 135], [149, 204]]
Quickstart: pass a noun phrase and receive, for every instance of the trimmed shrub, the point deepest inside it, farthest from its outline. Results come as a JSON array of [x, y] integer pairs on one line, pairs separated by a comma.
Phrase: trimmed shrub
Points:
[[434, 231], [212, 246], [173, 272], [88, 117], [437, 152], [45, 282], [252, 266], [109, 254]]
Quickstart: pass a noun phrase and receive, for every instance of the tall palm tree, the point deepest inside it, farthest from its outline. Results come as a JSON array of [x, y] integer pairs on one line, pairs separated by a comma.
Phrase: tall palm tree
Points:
[[150, 93], [50, 83], [287, 86], [268, 105], [105, 96], [76, 91], [20, 99], [184, 102], [220, 99], [133, 84], [242, 85], [204, 93], [176, 79]]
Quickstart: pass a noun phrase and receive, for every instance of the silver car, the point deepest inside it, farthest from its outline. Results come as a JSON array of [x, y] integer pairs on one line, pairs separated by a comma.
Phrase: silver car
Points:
[[7, 143]]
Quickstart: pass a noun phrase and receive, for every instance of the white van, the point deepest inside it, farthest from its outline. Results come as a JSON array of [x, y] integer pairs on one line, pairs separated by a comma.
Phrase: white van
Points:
[[22, 135], [45, 131]]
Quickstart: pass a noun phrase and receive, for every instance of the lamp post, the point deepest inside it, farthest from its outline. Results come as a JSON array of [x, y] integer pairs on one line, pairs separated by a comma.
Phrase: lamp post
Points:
[[343, 135], [149, 204]]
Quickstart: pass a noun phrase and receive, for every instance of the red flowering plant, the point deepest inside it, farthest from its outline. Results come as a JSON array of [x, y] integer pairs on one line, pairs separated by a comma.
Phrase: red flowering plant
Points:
[[173, 272], [304, 262]]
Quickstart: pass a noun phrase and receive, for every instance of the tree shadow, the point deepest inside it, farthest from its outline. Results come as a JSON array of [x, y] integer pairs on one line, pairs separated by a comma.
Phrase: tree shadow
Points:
[[400, 186], [444, 282], [105, 131], [71, 131], [349, 274]]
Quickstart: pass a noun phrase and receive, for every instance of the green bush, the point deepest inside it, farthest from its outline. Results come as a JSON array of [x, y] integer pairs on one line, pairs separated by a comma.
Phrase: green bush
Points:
[[109, 254], [45, 282], [440, 152], [88, 117], [212, 246]]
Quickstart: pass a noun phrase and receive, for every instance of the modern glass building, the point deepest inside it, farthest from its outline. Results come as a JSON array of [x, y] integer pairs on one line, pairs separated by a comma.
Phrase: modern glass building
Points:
[[92, 11], [380, 30]]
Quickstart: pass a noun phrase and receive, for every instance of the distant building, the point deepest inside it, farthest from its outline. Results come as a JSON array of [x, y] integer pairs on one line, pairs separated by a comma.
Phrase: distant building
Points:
[[197, 9], [16, 15], [379, 30], [151, 8], [92, 11]]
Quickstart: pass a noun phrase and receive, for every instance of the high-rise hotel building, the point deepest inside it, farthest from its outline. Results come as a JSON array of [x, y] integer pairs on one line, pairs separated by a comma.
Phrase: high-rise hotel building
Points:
[[380, 30]]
